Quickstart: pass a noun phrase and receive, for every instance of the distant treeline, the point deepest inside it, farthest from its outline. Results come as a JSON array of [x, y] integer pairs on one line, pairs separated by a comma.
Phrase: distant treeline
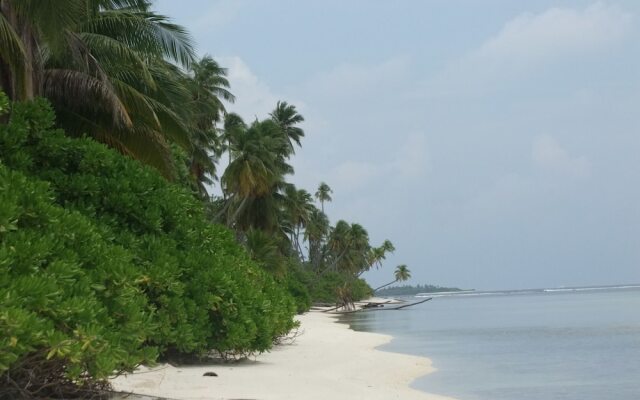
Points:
[[409, 289]]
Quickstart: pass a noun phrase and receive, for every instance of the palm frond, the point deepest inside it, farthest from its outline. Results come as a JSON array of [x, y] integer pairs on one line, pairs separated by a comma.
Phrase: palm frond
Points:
[[12, 52], [145, 32], [109, 50], [143, 144], [75, 87]]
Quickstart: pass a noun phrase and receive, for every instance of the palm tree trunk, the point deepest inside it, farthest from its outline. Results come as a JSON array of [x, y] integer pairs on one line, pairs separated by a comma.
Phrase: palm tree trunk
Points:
[[22, 83], [30, 75], [334, 263], [225, 208], [380, 287], [298, 243], [240, 208]]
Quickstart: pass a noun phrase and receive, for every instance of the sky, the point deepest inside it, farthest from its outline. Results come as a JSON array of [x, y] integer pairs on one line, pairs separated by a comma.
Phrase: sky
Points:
[[496, 143]]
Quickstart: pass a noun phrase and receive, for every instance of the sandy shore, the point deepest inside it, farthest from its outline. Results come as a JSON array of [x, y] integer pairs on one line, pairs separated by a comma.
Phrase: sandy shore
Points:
[[327, 361]]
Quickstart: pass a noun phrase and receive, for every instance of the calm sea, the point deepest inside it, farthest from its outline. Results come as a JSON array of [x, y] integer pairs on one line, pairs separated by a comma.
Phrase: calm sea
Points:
[[548, 344]]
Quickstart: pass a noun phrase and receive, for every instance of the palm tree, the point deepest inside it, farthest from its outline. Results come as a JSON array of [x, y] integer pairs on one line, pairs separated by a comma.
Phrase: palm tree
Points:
[[264, 249], [286, 117], [254, 177], [107, 68], [208, 85], [323, 194], [401, 274], [377, 255], [348, 247], [315, 234], [298, 205]]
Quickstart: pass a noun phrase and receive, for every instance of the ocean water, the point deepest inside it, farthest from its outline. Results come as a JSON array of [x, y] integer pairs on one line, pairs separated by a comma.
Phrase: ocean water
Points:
[[568, 344]]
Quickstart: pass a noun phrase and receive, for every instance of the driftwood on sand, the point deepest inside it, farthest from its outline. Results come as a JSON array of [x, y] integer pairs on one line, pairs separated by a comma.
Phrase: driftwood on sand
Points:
[[366, 304], [382, 307]]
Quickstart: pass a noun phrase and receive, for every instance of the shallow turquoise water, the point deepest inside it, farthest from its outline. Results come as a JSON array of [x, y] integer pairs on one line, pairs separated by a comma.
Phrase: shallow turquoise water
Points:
[[569, 345]]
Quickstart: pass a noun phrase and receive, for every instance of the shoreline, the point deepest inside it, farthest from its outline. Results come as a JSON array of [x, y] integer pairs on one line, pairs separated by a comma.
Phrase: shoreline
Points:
[[327, 360]]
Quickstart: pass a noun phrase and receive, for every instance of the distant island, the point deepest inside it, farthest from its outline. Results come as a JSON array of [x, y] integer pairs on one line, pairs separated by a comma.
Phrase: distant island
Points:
[[409, 289]]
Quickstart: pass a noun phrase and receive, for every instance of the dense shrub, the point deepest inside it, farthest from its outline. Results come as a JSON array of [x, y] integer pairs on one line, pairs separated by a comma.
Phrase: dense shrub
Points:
[[298, 283], [70, 304], [325, 289], [194, 287]]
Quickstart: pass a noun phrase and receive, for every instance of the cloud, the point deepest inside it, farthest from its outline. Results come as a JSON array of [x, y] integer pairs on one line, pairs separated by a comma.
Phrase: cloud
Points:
[[556, 31], [357, 80], [412, 158], [530, 42], [254, 97], [408, 162], [547, 154]]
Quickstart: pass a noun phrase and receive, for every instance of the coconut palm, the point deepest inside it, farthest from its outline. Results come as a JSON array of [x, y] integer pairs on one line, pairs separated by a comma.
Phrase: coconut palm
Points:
[[348, 248], [401, 274], [377, 255], [255, 175], [264, 249], [107, 68], [208, 85], [298, 207], [286, 117], [323, 194], [315, 234]]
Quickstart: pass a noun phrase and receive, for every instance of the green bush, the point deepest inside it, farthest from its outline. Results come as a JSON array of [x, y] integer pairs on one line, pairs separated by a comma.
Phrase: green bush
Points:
[[298, 282], [360, 289], [68, 296], [325, 289], [196, 288]]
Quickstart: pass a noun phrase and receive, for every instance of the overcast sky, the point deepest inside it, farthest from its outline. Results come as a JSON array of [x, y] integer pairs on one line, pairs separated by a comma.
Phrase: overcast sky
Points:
[[496, 143]]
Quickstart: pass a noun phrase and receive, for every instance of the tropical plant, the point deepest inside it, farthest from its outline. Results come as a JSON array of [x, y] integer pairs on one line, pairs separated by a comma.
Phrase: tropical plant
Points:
[[264, 249], [315, 234], [323, 194], [401, 274], [208, 86], [102, 240], [109, 68], [298, 207], [255, 171], [286, 117]]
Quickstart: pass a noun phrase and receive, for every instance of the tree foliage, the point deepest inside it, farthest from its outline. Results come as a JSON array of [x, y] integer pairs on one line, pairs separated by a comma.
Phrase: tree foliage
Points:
[[110, 250]]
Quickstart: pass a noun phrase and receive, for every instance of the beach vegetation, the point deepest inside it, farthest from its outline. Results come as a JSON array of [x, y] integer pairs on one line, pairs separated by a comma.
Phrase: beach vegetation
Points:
[[105, 264], [114, 251], [401, 274]]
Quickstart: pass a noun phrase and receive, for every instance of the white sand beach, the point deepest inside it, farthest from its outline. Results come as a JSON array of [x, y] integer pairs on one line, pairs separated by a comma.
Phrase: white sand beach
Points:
[[326, 361]]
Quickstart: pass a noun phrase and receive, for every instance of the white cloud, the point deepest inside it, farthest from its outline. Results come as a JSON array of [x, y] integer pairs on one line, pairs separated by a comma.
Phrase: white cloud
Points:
[[529, 42], [412, 158], [408, 162], [254, 97], [547, 154], [357, 80], [558, 30]]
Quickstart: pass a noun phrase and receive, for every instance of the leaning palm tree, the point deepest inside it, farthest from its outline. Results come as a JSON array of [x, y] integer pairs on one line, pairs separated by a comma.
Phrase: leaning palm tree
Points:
[[348, 249], [323, 194], [401, 274], [377, 255]]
